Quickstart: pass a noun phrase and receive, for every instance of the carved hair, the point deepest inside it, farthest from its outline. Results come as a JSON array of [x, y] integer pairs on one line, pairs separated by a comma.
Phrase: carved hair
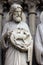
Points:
[[9, 16]]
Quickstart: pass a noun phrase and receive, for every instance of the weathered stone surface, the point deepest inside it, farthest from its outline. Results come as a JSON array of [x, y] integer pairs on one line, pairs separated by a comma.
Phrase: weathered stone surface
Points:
[[0, 29], [32, 18]]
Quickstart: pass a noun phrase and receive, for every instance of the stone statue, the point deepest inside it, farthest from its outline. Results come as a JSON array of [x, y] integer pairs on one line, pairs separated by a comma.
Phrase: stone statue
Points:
[[39, 41], [17, 38]]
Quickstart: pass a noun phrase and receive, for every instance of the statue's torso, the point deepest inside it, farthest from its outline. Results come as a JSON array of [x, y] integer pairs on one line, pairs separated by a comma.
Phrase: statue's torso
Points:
[[14, 56]]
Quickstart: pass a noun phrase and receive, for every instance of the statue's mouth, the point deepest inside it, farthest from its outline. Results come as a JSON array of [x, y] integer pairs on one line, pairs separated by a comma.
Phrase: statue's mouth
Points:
[[20, 39]]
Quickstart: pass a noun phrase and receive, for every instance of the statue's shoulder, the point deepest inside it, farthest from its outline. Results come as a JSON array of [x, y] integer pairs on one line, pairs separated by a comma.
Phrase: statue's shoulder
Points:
[[6, 24]]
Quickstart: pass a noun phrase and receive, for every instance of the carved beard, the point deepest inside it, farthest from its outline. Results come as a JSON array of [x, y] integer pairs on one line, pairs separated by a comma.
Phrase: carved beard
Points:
[[17, 18]]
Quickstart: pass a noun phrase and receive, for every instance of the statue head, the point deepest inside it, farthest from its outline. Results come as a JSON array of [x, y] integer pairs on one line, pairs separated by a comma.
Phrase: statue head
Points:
[[41, 17], [16, 12]]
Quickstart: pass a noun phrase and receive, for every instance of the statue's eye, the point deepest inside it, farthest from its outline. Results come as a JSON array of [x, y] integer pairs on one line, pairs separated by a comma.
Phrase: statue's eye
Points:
[[15, 13]]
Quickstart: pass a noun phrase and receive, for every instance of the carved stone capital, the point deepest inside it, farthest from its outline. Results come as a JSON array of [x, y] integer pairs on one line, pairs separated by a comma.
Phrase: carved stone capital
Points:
[[32, 3], [32, 13]]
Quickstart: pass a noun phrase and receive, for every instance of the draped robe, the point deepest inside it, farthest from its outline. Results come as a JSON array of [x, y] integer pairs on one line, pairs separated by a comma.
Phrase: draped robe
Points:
[[39, 43], [14, 56]]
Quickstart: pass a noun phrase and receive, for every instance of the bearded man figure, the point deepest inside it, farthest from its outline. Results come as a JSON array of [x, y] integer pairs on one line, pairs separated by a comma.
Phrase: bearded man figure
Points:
[[17, 38]]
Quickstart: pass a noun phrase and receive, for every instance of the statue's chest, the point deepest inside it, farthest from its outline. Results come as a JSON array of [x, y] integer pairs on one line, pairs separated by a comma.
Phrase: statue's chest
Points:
[[12, 26]]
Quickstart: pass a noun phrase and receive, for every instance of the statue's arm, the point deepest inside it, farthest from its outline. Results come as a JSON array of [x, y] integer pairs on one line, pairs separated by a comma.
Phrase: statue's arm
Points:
[[19, 46]]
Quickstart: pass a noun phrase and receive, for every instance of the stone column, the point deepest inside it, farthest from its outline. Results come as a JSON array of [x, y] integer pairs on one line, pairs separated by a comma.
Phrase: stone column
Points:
[[0, 19], [32, 18], [0, 30]]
